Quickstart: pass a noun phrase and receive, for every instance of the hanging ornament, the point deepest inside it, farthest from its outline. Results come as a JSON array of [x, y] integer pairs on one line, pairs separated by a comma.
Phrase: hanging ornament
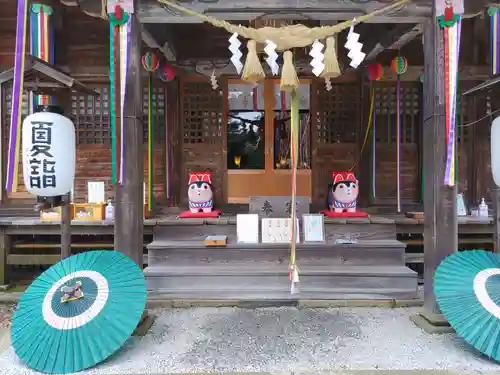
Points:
[[167, 73], [213, 80], [272, 56], [452, 25], [375, 71], [150, 61], [318, 58], [399, 65], [234, 47], [354, 47], [328, 84]]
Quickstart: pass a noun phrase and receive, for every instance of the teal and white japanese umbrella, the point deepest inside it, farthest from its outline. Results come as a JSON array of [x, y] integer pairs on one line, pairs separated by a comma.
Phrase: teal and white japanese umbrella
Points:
[[467, 288], [78, 312]]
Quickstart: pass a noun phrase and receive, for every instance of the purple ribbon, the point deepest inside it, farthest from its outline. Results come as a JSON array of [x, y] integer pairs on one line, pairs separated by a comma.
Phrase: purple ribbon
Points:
[[17, 93]]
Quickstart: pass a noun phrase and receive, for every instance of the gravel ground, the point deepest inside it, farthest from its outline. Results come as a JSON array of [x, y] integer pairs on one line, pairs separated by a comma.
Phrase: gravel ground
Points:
[[283, 339], [6, 315]]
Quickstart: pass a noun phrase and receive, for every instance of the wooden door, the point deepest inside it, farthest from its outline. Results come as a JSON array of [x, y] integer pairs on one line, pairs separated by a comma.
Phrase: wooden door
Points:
[[258, 123]]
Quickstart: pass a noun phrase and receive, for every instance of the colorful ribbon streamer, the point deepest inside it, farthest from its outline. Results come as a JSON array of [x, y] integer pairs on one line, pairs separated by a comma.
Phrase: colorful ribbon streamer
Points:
[[42, 41], [124, 59], [451, 56], [119, 34], [113, 57], [17, 98], [494, 39], [398, 144], [294, 147]]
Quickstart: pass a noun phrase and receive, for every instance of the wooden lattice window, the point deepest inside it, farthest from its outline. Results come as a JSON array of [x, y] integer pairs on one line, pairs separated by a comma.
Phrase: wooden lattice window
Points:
[[6, 110], [91, 116], [158, 112], [338, 114], [386, 114], [201, 110]]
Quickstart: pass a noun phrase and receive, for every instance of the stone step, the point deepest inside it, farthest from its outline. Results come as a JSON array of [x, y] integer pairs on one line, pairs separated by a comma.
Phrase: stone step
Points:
[[285, 295], [373, 252], [259, 279]]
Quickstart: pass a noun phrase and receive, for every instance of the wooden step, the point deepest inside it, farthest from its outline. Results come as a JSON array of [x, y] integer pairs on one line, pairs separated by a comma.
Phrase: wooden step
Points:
[[258, 279], [363, 253]]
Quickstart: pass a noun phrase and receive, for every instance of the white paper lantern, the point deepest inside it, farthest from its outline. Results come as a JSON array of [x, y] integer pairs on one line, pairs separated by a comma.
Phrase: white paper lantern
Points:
[[495, 150], [49, 153]]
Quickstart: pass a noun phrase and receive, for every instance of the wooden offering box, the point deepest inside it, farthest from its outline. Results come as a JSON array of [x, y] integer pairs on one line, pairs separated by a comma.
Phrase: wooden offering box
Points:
[[50, 214], [88, 211]]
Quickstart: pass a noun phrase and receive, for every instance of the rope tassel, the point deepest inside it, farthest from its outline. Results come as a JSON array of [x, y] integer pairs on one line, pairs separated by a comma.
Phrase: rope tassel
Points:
[[294, 143]]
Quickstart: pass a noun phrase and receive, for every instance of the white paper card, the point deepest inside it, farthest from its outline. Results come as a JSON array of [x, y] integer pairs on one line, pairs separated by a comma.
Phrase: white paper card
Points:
[[461, 209], [96, 192], [247, 228], [314, 230], [276, 230]]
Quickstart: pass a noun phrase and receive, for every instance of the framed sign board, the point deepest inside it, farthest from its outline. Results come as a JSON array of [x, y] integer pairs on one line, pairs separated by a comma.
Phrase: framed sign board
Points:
[[278, 230], [314, 228]]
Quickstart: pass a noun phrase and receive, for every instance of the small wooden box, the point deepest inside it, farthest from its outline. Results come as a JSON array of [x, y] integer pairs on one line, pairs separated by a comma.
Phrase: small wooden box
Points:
[[215, 241], [51, 214], [415, 215], [88, 211]]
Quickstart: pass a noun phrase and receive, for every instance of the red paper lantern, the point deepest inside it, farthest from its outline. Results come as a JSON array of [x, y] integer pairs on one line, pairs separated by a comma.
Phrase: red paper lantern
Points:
[[375, 71], [167, 73]]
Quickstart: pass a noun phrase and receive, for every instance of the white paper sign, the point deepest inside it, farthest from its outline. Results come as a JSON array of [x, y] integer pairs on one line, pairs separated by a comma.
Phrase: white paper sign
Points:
[[247, 228], [313, 226], [96, 192], [276, 230], [461, 209]]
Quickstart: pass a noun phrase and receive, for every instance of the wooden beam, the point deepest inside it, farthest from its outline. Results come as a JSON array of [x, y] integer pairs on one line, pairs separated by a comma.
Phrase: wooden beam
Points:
[[167, 49], [129, 218], [388, 40], [440, 211], [407, 37]]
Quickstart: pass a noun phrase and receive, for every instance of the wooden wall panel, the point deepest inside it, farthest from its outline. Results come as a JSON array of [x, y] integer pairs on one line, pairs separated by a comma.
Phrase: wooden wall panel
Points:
[[335, 118], [202, 135], [386, 142], [91, 118]]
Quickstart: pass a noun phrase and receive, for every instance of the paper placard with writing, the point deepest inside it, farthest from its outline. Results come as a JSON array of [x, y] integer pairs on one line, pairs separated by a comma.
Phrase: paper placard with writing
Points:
[[276, 230], [313, 226], [247, 228], [96, 192]]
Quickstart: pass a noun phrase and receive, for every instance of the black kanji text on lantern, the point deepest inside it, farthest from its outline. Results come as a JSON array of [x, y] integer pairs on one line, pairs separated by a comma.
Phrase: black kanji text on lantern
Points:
[[42, 163]]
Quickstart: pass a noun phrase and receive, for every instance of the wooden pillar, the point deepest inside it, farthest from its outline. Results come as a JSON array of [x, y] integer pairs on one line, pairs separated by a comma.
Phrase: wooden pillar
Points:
[[495, 197], [440, 225], [129, 217]]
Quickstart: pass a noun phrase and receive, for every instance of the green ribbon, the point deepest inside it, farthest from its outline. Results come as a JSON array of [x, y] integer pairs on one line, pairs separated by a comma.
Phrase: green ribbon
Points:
[[492, 11]]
